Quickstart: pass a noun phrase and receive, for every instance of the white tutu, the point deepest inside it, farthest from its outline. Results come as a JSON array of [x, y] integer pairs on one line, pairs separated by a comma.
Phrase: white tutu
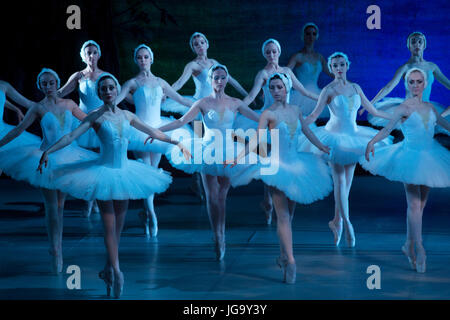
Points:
[[21, 163], [303, 177], [418, 159], [345, 148]]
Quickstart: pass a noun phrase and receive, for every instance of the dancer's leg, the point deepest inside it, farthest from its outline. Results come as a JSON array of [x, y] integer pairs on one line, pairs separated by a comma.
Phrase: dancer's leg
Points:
[[53, 219]]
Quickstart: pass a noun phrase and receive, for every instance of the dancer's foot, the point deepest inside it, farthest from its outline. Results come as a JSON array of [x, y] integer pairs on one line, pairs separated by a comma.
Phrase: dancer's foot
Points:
[[350, 235], [421, 259], [57, 261], [408, 251], [290, 273], [146, 222], [220, 250], [118, 284], [95, 207], [268, 210], [107, 275], [337, 231]]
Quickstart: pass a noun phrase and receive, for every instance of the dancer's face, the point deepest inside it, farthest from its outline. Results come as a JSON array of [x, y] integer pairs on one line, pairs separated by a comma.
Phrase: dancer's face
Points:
[[91, 55], [271, 53], [277, 90], [219, 79], [416, 44], [339, 67], [200, 46], [107, 90], [310, 34], [416, 83], [48, 83], [144, 59]]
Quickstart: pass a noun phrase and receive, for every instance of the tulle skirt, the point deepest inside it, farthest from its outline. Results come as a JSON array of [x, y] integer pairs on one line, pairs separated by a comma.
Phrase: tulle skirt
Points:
[[303, 177], [346, 148], [429, 166], [21, 163], [90, 180]]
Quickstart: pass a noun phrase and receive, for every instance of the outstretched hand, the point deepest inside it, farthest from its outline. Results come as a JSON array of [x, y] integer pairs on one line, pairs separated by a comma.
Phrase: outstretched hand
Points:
[[361, 112], [187, 155], [325, 149], [369, 149], [149, 138], [43, 162]]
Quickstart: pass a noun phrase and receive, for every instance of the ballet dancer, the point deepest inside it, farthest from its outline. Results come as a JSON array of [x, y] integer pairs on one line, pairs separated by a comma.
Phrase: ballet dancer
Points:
[[307, 64], [198, 69], [55, 115], [418, 161], [218, 112], [84, 80], [98, 179], [147, 91], [346, 139], [271, 50], [301, 177]]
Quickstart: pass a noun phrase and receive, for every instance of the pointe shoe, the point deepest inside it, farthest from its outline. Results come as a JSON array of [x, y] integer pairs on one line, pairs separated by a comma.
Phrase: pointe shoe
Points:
[[107, 275], [268, 212], [95, 207], [57, 261], [118, 285], [421, 263], [350, 236], [290, 273], [150, 231], [220, 250], [337, 232], [411, 260]]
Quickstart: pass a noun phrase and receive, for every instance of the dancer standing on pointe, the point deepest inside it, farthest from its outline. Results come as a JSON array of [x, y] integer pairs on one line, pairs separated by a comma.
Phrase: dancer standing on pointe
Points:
[[198, 69], [346, 139], [418, 161], [20, 162], [301, 177], [271, 51], [218, 112], [84, 80], [99, 178], [416, 44], [147, 91], [307, 64]]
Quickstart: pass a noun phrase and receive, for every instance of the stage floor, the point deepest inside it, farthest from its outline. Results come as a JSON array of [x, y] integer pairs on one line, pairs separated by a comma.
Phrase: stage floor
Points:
[[180, 263]]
